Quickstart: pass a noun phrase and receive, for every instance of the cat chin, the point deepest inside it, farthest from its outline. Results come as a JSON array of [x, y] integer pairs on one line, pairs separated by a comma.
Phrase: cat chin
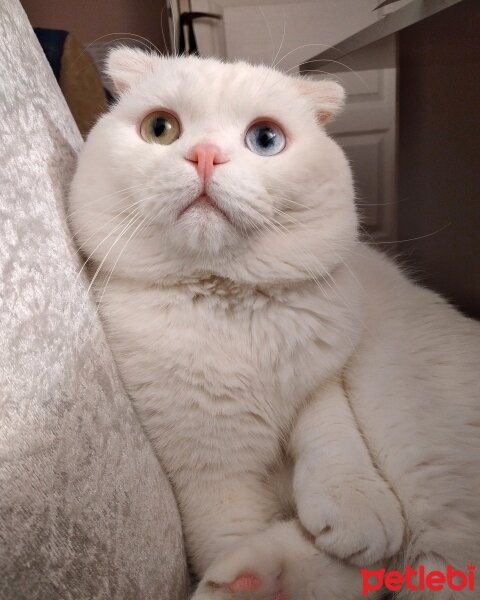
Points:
[[203, 229], [204, 207]]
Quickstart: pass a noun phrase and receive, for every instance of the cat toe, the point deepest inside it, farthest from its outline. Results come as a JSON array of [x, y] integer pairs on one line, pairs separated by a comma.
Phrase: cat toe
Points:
[[354, 552], [246, 582], [246, 586], [361, 528]]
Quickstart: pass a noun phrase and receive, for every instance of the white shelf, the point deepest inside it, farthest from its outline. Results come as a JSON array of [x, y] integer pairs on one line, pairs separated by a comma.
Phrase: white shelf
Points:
[[415, 11]]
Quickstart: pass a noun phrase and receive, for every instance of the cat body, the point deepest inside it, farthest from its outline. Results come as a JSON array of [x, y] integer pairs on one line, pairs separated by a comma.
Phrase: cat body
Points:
[[274, 360], [229, 359]]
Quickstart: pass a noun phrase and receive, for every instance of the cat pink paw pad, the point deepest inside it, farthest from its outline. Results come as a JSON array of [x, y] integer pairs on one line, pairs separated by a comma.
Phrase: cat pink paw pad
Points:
[[245, 583]]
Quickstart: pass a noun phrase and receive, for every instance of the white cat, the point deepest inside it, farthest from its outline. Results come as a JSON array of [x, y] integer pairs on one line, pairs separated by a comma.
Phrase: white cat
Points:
[[315, 410]]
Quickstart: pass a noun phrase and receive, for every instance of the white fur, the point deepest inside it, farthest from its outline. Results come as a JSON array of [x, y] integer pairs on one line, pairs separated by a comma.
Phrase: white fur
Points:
[[277, 340]]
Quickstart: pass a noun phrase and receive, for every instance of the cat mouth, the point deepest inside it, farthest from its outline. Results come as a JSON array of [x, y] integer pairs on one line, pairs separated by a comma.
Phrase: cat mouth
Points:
[[204, 203]]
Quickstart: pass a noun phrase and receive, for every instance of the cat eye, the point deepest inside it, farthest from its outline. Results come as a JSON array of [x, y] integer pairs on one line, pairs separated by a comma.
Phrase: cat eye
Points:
[[160, 127], [265, 138]]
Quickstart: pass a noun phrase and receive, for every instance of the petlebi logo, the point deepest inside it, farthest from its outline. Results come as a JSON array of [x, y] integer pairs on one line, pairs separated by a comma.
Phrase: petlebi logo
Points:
[[418, 580]]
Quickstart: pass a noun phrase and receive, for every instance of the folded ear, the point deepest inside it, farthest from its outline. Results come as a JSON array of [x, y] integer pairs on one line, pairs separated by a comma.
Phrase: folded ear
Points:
[[125, 65], [327, 97]]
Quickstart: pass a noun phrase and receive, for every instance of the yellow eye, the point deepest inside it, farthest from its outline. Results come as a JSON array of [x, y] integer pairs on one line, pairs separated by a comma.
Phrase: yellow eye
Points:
[[160, 127]]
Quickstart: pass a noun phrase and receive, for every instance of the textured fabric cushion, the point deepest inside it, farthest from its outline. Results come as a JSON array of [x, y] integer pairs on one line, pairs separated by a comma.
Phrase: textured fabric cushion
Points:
[[85, 509]]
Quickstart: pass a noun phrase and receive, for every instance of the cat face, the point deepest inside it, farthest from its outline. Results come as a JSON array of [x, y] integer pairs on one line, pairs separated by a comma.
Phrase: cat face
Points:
[[206, 167]]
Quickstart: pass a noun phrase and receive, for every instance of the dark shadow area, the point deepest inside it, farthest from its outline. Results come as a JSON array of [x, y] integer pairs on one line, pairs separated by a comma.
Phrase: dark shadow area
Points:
[[439, 153]]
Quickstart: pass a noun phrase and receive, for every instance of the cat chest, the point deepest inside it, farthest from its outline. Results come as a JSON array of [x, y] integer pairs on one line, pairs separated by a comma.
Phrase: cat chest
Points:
[[217, 380], [224, 354]]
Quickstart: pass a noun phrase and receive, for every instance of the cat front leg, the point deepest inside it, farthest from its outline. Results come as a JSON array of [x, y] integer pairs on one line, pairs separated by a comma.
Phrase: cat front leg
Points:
[[342, 499], [218, 512], [279, 563]]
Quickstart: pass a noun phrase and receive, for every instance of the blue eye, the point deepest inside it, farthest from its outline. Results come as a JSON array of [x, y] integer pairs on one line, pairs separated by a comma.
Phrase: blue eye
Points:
[[265, 139]]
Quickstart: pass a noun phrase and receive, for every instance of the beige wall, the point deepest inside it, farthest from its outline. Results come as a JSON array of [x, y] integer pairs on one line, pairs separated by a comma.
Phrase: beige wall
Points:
[[90, 19]]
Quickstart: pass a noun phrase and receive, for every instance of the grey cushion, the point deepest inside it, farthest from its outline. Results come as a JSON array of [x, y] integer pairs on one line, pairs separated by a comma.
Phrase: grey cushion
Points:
[[85, 509]]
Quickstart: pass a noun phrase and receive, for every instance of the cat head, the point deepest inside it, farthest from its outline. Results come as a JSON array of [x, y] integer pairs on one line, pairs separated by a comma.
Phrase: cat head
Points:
[[204, 167]]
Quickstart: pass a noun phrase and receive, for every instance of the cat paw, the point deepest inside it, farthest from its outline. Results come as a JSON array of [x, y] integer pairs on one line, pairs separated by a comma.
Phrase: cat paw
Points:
[[362, 526], [246, 586], [245, 572], [280, 563]]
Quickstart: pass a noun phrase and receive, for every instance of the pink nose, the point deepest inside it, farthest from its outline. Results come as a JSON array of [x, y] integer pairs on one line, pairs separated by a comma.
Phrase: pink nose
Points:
[[205, 157]]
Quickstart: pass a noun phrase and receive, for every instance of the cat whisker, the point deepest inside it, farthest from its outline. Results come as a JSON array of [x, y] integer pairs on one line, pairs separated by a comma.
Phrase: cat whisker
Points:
[[317, 279], [347, 266], [107, 237], [81, 246], [294, 202], [142, 223], [376, 203], [330, 275], [302, 225], [279, 228], [375, 242], [260, 8], [305, 46], [415, 239], [164, 8], [116, 228], [129, 189], [327, 275], [274, 64], [97, 303], [97, 299], [117, 239], [125, 36], [357, 75]]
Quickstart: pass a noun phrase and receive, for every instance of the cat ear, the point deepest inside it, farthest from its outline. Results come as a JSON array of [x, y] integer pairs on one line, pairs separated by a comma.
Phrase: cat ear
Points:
[[125, 65], [328, 97]]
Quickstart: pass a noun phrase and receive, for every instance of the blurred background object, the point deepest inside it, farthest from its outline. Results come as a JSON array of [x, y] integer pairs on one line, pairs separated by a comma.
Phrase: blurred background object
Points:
[[76, 74], [99, 25]]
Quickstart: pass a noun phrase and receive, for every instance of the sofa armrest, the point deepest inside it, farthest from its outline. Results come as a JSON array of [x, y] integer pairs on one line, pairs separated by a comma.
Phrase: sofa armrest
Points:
[[85, 508]]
